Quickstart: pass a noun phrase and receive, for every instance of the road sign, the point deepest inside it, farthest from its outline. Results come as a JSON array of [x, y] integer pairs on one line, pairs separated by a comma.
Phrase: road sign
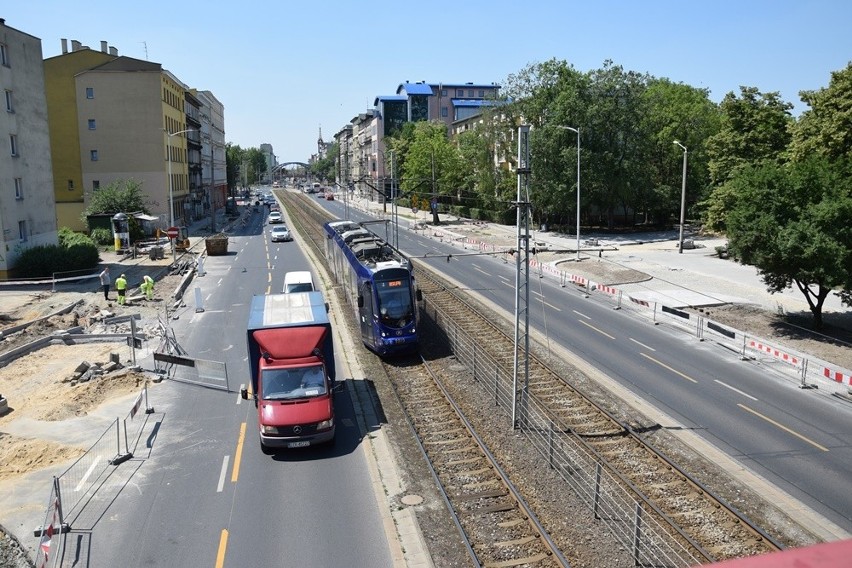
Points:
[[172, 232]]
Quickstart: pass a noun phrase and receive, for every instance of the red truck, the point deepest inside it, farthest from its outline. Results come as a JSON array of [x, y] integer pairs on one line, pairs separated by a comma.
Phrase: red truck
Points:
[[291, 358]]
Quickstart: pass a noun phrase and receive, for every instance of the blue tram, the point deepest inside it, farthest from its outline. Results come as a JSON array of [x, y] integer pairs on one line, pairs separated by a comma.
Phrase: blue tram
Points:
[[378, 281]]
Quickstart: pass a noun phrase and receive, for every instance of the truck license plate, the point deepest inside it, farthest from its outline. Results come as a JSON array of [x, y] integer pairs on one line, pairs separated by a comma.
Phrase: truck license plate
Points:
[[301, 444]]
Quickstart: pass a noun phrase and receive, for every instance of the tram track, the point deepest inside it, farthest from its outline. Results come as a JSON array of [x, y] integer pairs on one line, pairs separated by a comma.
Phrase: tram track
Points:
[[497, 525], [681, 522]]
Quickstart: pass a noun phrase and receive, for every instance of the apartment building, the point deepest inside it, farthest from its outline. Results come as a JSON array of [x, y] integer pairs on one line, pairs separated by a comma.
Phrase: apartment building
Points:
[[67, 168], [214, 175], [449, 103], [119, 118], [27, 211]]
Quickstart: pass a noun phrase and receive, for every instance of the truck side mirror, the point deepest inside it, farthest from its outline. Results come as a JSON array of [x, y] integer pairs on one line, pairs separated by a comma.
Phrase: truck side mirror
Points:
[[244, 393], [419, 295], [360, 301]]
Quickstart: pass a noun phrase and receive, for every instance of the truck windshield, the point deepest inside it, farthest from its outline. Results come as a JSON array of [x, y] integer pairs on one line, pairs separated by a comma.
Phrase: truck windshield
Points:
[[395, 307], [299, 382]]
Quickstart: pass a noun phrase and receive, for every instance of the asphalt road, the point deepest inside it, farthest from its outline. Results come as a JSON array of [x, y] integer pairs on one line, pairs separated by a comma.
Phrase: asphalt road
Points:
[[200, 492], [795, 440]]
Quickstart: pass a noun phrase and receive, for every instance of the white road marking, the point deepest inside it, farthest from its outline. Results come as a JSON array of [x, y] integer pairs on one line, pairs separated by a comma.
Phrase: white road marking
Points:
[[581, 315], [87, 474], [642, 344], [736, 390], [222, 474]]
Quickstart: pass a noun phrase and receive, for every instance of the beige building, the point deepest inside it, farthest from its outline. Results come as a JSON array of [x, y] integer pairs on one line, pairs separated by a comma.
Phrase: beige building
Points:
[[27, 211], [116, 119]]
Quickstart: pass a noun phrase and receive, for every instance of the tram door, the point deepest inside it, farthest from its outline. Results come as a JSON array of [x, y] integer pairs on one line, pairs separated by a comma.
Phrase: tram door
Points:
[[365, 311]]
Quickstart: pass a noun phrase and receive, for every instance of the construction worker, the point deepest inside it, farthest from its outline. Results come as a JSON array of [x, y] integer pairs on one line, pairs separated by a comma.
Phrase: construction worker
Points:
[[121, 287], [148, 287]]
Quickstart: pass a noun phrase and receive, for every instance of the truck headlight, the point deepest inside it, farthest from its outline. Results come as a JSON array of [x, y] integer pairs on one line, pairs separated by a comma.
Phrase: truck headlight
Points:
[[273, 430], [325, 424]]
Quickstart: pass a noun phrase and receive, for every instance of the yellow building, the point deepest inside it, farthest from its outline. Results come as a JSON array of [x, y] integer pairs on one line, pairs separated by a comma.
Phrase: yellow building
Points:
[[110, 119]]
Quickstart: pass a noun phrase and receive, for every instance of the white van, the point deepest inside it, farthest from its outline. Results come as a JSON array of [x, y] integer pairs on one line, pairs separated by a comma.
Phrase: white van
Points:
[[299, 281]]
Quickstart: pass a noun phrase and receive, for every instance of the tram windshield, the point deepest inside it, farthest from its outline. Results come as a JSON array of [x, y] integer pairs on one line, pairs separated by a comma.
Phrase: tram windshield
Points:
[[394, 302]]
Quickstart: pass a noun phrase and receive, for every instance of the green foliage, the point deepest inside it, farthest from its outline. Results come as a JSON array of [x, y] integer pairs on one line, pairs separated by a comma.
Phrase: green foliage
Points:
[[121, 196], [826, 128], [792, 223], [754, 126], [325, 168], [102, 236], [75, 251]]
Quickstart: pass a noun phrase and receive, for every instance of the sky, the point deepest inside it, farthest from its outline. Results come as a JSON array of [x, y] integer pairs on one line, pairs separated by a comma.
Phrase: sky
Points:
[[284, 69]]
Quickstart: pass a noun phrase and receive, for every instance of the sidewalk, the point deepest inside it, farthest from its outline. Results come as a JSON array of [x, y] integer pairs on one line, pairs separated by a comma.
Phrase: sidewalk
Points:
[[695, 278]]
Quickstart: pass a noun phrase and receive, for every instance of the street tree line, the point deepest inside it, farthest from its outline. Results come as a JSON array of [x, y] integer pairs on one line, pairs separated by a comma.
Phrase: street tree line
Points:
[[778, 186]]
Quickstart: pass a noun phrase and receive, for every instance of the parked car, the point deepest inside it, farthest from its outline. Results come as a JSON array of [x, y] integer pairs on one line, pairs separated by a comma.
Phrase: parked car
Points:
[[275, 217], [280, 233]]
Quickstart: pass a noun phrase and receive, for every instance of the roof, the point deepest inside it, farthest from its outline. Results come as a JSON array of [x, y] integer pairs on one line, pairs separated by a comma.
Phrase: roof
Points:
[[475, 102], [383, 98], [124, 63], [415, 88]]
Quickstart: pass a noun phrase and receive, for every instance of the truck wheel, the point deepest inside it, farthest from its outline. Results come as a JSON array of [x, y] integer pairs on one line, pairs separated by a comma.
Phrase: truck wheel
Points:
[[267, 451]]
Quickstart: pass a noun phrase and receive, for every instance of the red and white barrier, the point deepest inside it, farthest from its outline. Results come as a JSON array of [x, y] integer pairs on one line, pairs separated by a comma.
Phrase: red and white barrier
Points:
[[837, 376], [786, 357]]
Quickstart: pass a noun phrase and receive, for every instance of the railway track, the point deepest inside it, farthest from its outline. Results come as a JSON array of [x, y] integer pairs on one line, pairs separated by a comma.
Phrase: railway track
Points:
[[656, 510], [498, 526]]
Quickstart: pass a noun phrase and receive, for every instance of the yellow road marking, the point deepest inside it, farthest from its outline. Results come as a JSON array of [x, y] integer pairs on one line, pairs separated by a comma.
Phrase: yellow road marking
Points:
[[238, 455], [223, 545], [675, 371], [596, 329], [779, 425]]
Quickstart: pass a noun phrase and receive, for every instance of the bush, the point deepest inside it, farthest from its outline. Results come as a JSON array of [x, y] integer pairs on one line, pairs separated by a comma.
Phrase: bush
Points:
[[101, 236], [75, 251]]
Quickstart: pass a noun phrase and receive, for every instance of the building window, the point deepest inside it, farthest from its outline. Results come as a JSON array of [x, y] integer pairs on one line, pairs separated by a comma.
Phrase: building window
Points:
[[4, 55], [19, 188], [22, 230], [9, 107], [481, 93], [445, 112], [460, 93], [96, 185], [443, 92], [91, 124], [70, 185], [94, 155], [470, 93], [90, 93], [13, 143]]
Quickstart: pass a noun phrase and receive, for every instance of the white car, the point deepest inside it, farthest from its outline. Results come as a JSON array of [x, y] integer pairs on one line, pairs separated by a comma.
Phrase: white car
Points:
[[275, 217], [280, 233]]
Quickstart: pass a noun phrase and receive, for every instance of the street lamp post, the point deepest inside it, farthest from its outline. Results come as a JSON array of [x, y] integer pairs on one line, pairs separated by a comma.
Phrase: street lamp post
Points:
[[171, 183], [577, 130], [682, 199]]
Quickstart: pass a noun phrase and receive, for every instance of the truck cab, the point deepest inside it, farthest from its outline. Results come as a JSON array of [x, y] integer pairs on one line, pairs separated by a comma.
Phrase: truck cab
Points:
[[291, 359]]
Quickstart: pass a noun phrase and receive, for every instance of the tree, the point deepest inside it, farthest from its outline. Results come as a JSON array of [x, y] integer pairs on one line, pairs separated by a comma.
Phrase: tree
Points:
[[792, 223], [673, 111], [754, 127], [325, 168], [431, 160], [826, 128], [119, 196]]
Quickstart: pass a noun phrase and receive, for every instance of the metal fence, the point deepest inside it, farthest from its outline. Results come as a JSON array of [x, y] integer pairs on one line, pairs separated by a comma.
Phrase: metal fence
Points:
[[77, 484], [631, 518]]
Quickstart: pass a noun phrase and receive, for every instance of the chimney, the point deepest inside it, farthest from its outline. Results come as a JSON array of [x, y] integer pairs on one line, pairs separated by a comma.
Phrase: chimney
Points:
[[2, 21], [103, 47], [113, 51], [64, 45], [75, 45]]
